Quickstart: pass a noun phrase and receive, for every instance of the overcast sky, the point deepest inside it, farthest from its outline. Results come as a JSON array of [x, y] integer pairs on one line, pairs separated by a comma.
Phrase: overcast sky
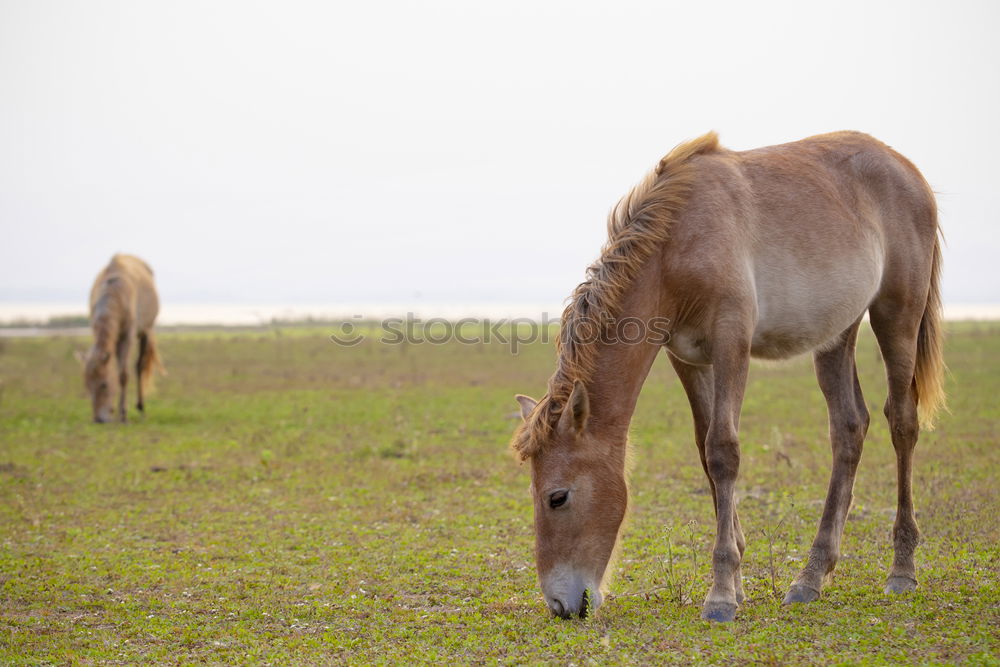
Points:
[[445, 151]]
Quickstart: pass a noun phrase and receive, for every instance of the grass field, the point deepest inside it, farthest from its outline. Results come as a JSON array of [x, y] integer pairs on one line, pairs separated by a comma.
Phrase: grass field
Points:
[[288, 500]]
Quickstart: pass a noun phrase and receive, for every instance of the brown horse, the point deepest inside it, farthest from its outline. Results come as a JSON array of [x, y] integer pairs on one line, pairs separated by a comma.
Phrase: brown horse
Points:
[[123, 306], [767, 253]]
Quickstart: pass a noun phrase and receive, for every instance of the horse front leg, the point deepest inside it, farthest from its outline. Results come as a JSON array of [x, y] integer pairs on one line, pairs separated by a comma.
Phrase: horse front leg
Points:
[[121, 352], [698, 382], [730, 363]]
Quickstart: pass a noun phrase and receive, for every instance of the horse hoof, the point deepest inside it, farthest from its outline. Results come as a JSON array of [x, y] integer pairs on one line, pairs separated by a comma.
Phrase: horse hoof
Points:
[[719, 612], [900, 585], [800, 593]]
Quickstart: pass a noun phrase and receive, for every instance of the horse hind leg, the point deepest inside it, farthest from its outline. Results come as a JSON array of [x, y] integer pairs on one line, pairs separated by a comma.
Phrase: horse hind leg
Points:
[[897, 333], [849, 418]]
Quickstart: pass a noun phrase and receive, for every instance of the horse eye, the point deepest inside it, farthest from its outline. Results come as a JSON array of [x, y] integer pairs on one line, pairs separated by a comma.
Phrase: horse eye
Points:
[[558, 498]]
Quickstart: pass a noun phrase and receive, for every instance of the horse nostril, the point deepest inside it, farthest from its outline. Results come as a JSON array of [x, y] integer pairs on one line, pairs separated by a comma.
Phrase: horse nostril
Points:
[[558, 608]]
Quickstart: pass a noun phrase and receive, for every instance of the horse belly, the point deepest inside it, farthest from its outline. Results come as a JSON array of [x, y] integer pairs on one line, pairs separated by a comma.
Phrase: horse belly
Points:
[[802, 307]]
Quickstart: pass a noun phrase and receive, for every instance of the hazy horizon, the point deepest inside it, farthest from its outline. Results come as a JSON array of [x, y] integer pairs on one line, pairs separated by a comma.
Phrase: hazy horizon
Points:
[[19, 317], [444, 152]]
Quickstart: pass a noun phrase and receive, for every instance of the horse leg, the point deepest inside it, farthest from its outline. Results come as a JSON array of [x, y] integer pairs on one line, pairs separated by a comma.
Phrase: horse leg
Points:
[[838, 379], [897, 338], [697, 382], [741, 545], [730, 362], [143, 351], [121, 352]]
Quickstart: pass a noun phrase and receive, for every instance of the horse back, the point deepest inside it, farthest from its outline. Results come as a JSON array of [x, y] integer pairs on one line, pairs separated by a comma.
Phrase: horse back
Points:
[[796, 240], [124, 291]]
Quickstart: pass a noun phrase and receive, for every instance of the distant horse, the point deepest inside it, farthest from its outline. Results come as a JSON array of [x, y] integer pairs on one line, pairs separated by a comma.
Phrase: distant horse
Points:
[[123, 306], [767, 253]]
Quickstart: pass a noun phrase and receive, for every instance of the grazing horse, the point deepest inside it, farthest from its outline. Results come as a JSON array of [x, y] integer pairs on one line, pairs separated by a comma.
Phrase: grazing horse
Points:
[[766, 253], [123, 306]]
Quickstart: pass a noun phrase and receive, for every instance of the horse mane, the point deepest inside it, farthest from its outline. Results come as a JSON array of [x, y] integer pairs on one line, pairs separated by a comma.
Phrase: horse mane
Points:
[[637, 226]]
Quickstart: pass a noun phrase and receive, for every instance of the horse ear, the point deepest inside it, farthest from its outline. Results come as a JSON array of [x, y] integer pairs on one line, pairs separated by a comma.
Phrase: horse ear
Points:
[[577, 409], [527, 404]]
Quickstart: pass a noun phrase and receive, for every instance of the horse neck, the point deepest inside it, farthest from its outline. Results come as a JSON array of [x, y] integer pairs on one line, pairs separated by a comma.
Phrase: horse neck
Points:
[[615, 385], [106, 326], [621, 367]]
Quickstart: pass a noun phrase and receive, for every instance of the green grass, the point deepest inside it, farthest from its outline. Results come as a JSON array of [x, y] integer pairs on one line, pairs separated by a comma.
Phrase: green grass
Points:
[[287, 500]]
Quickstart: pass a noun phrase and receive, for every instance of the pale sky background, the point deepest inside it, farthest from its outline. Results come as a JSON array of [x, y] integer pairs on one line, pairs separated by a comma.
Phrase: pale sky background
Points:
[[445, 152]]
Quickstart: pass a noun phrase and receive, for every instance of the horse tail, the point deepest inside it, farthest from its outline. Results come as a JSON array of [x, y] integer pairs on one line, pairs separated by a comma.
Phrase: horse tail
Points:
[[150, 361], [929, 372]]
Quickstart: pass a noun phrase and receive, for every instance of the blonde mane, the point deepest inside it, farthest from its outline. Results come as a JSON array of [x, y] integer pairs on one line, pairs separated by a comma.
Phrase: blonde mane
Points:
[[637, 226]]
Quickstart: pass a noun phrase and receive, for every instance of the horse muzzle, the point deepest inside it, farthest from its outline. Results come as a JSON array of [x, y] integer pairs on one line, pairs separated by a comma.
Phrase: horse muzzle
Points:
[[567, 594]]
